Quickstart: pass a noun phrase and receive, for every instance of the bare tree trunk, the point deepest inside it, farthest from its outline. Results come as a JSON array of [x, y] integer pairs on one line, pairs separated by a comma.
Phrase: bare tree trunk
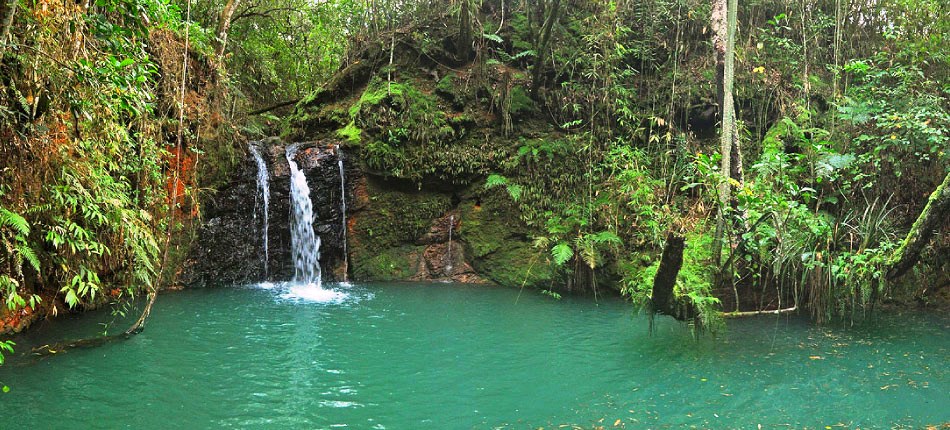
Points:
[[543, 40], [224, 24], [465, 37], [724, 23], [7, 14], [936, 212]]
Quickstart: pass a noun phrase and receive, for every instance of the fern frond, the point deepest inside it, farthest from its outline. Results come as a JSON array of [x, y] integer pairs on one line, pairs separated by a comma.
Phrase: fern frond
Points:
[[28, 254], [15, 221]]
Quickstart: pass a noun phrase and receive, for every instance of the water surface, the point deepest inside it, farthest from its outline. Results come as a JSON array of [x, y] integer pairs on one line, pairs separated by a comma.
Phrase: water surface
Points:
[[443, 356]]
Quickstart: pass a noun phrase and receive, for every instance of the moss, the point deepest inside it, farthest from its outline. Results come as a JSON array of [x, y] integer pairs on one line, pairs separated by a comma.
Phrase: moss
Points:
[[392, 264], [351, 133], [394, 218], [446, 87], [498, 250]]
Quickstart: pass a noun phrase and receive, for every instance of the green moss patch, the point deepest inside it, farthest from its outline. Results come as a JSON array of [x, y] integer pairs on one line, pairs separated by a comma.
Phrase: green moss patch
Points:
[[496, 248]]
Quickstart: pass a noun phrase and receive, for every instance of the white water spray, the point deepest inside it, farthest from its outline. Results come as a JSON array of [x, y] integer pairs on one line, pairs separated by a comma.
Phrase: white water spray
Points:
[[346, 264], [304, 243], [263, 187]]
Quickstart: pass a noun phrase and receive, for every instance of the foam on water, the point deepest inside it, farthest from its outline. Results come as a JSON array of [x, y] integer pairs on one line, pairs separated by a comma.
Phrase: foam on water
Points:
[[311, 292]]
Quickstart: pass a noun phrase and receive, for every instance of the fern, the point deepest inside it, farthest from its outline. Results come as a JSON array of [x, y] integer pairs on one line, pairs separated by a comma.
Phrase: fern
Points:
[[28, 255], [561, 252], [514, 190], [15, 221], [494, 181], [493, 37]]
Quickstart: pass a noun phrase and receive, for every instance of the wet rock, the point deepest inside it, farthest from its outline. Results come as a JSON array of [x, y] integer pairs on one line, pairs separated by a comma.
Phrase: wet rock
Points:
[[229, 248]]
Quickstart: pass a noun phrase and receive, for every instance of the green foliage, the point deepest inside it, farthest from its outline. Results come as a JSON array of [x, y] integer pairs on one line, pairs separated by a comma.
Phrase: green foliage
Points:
[[800, 240], [406, 134], [16, 251], [521, 102], [351, 133], [6, 347], [900, 115], [514, 190]]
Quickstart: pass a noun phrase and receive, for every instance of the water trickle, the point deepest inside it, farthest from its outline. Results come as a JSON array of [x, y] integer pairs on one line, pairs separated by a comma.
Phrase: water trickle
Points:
[[304, 243], [448, 265], [263, 189], [339, 155]]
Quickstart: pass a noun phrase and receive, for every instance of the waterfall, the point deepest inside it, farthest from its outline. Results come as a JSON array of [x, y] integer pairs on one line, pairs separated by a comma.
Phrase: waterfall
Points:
[[263, 187], [448, 266], [304, 243], [339, 155]]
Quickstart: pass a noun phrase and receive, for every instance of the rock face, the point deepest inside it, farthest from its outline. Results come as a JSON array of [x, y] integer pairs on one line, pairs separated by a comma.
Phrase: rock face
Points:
[[394, 232], [229, 248]]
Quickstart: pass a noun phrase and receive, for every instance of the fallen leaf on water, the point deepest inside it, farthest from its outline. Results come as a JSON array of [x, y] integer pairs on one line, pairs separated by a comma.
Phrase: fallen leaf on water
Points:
[[816, 357], [617, 423]]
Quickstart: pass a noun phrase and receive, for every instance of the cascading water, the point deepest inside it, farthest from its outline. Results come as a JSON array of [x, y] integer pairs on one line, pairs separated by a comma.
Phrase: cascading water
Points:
[[263, 187], [339, 155], [305, 244]]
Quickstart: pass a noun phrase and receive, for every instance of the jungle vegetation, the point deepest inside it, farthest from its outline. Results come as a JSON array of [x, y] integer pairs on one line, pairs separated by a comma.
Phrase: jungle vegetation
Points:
[[705, 157]]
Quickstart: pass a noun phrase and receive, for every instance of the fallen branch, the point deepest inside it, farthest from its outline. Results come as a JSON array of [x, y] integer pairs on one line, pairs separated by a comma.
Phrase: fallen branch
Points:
[[274, 107], [738, 314], [64, 346]]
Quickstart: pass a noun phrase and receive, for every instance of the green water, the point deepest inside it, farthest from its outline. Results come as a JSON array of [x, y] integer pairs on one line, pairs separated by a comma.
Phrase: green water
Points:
[[411, 356]]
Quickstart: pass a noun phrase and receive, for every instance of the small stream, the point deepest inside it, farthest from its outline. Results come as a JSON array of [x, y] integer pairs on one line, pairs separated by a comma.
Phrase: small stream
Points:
[[448, 356]]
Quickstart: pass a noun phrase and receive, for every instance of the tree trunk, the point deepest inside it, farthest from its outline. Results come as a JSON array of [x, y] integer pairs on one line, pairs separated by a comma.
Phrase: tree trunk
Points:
[[464, 42], [224, 24], [665, 280], [724, 23], [543, 40], [7, 14], [936, 212]]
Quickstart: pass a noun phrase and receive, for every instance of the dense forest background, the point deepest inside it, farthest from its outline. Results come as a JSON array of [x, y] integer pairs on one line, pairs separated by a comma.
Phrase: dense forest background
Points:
[[597, 122]]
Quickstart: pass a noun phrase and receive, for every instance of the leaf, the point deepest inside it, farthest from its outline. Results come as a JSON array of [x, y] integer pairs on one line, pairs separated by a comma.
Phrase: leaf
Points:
[[561, 252], [522, 54], [71, 299], [493, 37]]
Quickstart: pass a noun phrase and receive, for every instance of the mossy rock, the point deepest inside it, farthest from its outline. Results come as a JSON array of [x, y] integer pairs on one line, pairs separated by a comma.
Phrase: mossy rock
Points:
[[497, 247], [398, 215], [392, 264], [384, 234]]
